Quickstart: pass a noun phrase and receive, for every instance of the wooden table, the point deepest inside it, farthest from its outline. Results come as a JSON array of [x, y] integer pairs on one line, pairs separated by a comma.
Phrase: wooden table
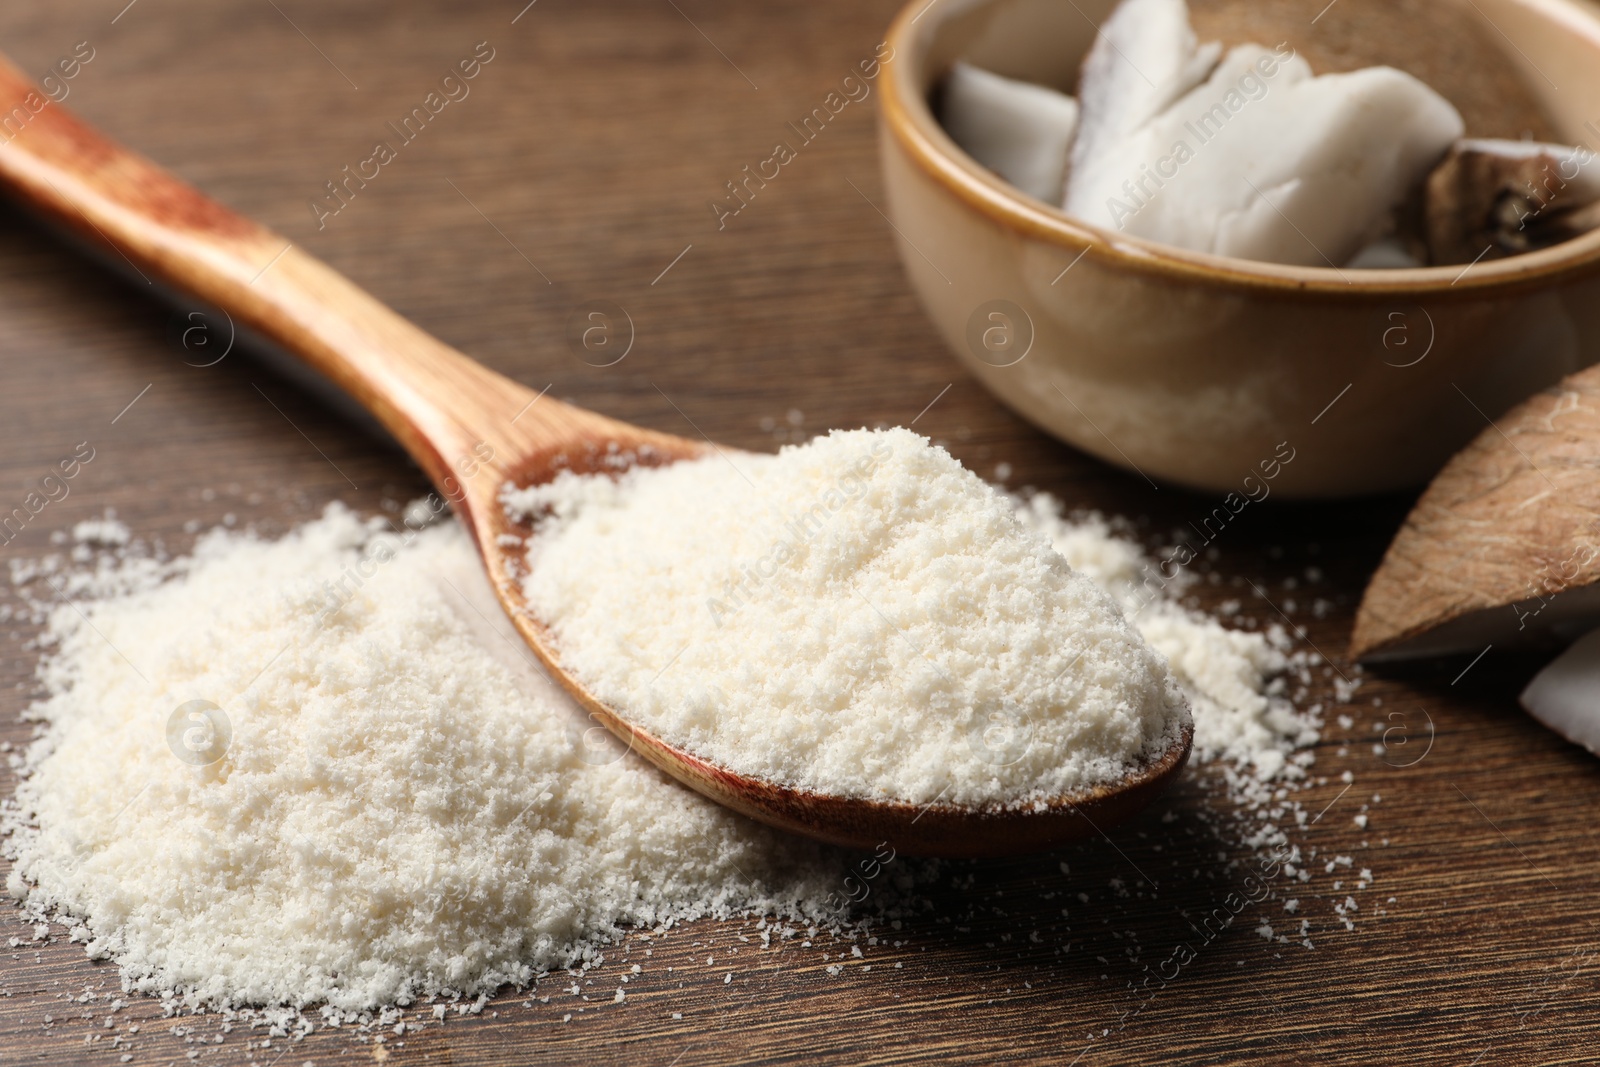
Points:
[[580, 168]]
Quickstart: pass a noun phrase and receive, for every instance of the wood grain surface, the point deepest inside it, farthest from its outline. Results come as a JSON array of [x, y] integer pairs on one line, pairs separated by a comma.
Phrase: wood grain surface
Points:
[[577, 170]]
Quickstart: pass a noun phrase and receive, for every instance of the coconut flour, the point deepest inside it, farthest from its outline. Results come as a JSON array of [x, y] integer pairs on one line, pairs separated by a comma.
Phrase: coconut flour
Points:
[[404, 806], [859, 616], [389, 801]]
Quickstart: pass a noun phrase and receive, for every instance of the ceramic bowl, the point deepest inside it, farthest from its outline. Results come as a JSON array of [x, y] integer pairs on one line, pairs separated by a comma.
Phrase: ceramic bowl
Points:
[[1224, 374]]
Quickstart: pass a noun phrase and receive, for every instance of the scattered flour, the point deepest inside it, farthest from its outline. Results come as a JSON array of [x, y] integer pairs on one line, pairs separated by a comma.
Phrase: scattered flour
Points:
[[860, 615], [107, 531]]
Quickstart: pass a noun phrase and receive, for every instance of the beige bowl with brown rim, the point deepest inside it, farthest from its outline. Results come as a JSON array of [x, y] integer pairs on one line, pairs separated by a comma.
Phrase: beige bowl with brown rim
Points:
[[1204, 370]]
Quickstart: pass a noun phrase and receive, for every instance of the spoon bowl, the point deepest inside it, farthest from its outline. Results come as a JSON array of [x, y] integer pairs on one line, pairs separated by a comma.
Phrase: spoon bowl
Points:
[[473, 432], [935, 829]]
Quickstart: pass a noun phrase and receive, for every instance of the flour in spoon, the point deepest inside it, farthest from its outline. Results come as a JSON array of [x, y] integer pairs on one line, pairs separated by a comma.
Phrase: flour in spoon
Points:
[[859, 616]]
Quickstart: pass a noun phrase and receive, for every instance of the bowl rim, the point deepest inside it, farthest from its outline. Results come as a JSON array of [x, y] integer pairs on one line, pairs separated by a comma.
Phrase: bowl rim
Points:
[[905, 112]]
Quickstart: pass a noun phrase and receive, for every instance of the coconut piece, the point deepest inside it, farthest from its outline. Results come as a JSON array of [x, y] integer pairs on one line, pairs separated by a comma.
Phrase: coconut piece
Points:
[[1264, 161], [1504, 547], [1143, 59], [1019, 130], [1565, 696], [1489, 198], [1386, 253]]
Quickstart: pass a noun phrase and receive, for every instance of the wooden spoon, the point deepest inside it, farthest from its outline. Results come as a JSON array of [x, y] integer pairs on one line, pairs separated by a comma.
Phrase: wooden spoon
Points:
[[449, 413]]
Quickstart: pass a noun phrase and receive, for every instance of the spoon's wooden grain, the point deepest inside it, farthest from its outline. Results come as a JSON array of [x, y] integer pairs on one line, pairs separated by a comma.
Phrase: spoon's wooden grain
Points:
[[449, 412]]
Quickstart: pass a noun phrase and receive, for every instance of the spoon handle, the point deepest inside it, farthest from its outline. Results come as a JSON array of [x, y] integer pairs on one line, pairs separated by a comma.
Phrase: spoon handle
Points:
[[442, 406]]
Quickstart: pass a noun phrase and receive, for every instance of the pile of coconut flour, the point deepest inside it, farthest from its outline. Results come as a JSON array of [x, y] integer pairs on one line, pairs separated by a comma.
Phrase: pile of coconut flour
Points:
[[859, 616], [405, 806], [400, 805]]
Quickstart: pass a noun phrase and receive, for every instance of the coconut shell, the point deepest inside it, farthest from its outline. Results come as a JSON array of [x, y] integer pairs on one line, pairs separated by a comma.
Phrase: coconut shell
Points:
[[1488, 199], [1504, 546]]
